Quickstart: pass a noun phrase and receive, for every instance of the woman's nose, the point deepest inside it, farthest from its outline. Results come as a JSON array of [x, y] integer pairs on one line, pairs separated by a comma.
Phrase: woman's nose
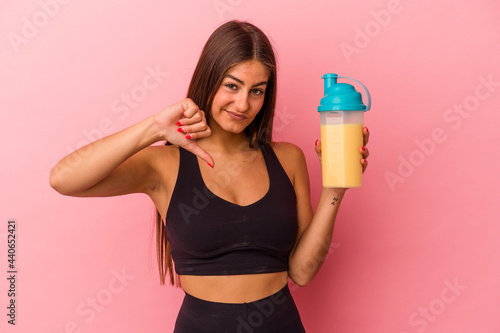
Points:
[[241, 102]]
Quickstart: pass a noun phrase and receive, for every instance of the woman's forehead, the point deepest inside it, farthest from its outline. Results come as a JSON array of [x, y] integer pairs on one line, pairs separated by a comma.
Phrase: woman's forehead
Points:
[[250, 72]]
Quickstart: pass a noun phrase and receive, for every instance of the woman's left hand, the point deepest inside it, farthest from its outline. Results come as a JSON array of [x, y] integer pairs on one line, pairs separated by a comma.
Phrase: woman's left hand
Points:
[[363, 150]]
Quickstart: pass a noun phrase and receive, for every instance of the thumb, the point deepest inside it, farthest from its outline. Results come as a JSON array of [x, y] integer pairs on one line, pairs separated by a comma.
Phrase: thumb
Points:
[[201, 153]]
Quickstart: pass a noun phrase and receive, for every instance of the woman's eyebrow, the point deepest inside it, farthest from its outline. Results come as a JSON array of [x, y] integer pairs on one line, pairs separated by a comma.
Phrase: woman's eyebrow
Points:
[[243, 83]]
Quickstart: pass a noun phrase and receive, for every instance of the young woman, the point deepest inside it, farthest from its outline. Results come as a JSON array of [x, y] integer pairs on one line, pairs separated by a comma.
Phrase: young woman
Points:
[[234, 207]]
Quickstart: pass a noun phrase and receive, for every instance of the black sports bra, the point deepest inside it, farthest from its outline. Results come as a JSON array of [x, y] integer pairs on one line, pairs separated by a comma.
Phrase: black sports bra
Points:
[[211, 236]]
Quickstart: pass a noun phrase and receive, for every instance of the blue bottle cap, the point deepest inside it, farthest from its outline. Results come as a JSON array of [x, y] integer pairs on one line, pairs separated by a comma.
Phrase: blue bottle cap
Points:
[[342, 96]]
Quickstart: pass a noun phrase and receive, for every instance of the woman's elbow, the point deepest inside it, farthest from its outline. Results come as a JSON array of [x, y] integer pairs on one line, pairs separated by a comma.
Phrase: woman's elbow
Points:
[[301, 279], [56, 182], [301, 282]]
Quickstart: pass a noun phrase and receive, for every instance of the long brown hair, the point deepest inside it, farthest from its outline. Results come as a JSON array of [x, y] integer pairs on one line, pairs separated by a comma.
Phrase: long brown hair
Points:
[[230, 44]]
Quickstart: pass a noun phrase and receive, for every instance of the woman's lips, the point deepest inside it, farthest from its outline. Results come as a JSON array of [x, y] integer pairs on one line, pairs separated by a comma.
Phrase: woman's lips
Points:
[[236, 116]]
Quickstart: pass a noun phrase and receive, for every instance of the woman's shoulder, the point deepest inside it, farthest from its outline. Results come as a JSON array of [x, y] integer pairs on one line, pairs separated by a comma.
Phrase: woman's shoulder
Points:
[[289, 155], [286, 150], [163, 158]]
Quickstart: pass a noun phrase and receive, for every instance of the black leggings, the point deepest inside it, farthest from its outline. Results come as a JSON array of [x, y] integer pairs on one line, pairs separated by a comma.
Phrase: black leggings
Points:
[[276, 313]]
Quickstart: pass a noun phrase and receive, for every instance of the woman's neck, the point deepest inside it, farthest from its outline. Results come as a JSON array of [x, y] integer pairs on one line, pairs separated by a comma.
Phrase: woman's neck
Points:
[[224, 141]]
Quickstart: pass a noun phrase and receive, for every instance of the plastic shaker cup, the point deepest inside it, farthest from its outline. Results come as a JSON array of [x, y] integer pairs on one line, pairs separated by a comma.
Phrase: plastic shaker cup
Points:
[[342, 117]]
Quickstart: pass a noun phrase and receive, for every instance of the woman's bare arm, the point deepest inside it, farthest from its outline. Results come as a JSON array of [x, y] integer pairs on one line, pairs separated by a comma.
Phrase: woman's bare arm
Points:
[[120, 164], [315, 230]]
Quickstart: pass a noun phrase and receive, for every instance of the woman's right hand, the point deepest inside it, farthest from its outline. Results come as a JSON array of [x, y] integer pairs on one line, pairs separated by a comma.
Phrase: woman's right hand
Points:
[[181, 124], [118, 164]]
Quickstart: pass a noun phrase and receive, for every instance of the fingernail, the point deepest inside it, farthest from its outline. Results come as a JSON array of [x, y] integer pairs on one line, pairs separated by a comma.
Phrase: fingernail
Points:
[[188, 136], [180, 130], [367, 129], [210, 165], [179, 123], [316, 143], [363, 160], [363, 148]]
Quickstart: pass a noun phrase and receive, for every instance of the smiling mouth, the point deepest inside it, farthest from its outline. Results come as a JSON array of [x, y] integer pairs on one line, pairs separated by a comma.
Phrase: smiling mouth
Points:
[[236, 116]]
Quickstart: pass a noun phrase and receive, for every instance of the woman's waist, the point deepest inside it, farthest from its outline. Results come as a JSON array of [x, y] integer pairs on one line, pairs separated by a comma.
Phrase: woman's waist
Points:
[[242, 288]]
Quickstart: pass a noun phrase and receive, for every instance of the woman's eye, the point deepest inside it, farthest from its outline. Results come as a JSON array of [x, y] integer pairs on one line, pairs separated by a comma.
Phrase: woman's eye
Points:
[[231, 86], [257, 92]]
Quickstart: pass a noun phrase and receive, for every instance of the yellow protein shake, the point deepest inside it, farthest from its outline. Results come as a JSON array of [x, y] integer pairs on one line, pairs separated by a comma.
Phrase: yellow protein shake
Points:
[[341, 115], [340, 156]]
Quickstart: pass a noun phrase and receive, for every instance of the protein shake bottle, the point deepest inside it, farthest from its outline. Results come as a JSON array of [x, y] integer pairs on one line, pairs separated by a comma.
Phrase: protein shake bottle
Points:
[[341, 115]]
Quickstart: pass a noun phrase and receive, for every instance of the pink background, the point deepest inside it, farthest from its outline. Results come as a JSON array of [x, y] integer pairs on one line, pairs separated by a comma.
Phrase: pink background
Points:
[[414, 250]]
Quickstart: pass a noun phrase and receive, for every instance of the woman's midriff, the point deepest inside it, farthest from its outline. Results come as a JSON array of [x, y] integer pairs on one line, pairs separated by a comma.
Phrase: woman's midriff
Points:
[[233, 288]]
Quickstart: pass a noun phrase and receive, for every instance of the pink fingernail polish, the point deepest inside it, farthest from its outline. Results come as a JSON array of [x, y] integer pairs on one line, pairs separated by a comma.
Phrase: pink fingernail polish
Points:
[[179, 123], [180, 130], [316, 143], [363, 148], [210, 165], [188, 136]]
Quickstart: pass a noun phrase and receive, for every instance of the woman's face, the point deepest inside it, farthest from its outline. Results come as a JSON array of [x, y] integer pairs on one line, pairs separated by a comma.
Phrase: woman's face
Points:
[[240, 96]]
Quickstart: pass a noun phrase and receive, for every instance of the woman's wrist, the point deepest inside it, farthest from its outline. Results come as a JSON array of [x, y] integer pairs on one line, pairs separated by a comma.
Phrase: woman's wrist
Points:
[[334, 195], [337, 191], [160, 128]]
